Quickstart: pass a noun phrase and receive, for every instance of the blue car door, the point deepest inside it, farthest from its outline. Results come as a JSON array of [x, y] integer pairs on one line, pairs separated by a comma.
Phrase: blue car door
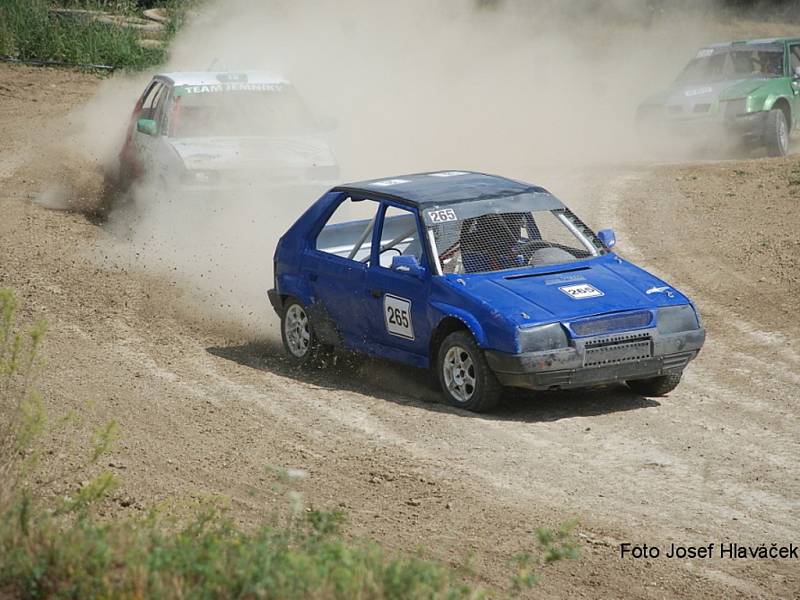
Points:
[[335, 265], [397, 305]]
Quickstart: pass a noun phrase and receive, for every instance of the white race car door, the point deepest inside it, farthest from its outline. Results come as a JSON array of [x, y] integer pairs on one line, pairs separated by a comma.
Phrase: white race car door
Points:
[[147, 132]]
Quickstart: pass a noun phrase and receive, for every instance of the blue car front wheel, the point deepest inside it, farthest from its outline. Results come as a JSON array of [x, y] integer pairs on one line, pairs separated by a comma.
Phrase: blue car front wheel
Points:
[[465, 377], [656, 386]]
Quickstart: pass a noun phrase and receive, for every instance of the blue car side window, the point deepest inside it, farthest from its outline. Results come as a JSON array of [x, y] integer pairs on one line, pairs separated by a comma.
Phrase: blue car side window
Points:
[[348, 231], [399, 236]]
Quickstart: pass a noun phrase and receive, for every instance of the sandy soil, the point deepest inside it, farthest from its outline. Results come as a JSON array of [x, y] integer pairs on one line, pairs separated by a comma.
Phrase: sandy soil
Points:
[[205, 413]]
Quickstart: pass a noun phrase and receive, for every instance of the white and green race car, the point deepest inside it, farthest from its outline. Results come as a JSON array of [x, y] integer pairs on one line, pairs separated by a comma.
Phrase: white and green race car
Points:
[[200, 131]]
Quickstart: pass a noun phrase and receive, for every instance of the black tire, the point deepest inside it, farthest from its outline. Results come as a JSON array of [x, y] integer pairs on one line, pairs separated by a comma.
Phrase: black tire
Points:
[[299, 340], [464, 376], [116, 193], [656, 386], [776, 133]]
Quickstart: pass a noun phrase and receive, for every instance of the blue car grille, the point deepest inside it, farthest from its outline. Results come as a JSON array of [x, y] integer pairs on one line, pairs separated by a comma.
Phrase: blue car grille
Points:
[[617, 349], [620, 322]]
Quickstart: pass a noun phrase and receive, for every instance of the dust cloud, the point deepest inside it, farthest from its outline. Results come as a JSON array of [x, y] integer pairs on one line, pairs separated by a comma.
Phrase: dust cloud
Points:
[[533, 90]]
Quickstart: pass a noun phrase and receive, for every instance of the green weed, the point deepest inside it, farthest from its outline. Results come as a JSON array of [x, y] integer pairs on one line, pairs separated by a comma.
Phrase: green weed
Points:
[[21, 414], [554, 545], [208, 558], [29, 30]]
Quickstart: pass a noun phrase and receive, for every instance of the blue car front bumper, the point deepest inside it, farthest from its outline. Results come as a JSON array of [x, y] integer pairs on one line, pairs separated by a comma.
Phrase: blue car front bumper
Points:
[[598, 360]]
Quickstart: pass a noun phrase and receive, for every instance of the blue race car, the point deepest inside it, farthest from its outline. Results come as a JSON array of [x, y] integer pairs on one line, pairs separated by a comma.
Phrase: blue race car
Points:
[[489, 281]]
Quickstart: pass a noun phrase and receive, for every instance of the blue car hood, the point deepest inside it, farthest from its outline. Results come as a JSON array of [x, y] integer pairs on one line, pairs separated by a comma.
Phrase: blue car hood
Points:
[[545, 295]]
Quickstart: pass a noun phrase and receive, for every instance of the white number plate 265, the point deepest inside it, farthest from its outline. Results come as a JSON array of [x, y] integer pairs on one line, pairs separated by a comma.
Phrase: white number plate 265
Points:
[[397, 315], [581, 291], [442, 216]]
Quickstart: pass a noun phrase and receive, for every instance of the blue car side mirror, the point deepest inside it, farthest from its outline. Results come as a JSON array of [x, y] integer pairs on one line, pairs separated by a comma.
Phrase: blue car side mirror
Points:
[[407, 264], [608, 238]]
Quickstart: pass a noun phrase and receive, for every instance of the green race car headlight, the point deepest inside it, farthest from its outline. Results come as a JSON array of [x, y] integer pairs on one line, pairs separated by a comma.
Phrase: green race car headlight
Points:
[[675, 319], [542, 338], [735, 108]]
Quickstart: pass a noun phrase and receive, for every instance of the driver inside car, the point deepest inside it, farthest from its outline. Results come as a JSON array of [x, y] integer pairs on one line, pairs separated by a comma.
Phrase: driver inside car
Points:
[[492, 242], [771, 63]]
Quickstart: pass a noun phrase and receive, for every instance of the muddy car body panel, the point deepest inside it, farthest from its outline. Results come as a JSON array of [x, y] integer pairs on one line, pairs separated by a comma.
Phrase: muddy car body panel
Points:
[[480, 253], [209, 131], [727, 92]]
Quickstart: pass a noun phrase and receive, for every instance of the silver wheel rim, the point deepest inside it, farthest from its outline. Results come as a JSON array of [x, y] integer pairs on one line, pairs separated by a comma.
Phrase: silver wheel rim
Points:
[[783, 134], [297, 331], [459, 374]]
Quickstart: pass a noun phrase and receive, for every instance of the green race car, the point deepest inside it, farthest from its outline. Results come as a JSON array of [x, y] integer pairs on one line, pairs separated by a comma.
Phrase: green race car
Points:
[[739, 91]]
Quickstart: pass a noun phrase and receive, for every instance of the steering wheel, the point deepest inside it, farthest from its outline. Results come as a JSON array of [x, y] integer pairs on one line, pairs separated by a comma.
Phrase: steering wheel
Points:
[[384, 250], [528, 248], [399, 252]]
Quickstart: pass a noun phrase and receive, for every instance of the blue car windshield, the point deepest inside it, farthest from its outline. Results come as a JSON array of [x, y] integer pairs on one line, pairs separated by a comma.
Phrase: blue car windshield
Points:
[[469, 241]]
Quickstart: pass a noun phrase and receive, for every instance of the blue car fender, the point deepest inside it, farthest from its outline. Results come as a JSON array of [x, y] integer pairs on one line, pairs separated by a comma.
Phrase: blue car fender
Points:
[[470, 322], [291, 284]]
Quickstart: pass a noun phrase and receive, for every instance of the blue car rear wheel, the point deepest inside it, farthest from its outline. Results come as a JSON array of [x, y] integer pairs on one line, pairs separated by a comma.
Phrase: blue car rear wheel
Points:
[[297, 333]]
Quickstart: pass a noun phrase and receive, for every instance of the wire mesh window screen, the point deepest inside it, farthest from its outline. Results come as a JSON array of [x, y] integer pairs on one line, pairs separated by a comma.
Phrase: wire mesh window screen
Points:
[[498, 241]]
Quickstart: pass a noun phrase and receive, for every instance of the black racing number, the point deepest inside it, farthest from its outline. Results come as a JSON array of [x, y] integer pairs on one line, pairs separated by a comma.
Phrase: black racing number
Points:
[[442, 216], [397, 316]]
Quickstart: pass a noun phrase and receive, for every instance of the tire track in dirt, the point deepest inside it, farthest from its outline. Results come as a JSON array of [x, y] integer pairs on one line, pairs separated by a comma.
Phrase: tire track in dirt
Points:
[[760, 393], [702, 490], [204, 413]]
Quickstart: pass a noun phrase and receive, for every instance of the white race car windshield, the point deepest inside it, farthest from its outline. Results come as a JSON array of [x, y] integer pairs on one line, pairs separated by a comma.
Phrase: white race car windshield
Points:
[[240, 114]]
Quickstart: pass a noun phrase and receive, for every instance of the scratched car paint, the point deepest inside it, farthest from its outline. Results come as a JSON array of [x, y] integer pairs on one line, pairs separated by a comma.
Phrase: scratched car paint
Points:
[[488, 282]]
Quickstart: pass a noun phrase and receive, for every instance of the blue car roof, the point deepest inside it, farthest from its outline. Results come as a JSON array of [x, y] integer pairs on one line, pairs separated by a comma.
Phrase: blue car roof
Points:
[[440, 187]]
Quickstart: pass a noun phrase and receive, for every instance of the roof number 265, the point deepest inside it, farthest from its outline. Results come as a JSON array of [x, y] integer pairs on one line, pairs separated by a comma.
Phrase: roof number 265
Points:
[[442, 216]]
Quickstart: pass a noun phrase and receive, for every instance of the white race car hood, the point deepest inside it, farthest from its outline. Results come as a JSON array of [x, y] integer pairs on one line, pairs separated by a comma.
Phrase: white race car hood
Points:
[[247, 153]]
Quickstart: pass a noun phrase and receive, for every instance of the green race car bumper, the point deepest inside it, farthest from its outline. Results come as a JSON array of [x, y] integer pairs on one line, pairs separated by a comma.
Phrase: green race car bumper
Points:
[[749, 127]]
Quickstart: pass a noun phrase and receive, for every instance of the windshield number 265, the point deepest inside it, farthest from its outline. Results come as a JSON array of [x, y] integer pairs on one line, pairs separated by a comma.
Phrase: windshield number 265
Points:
[[443, 216]]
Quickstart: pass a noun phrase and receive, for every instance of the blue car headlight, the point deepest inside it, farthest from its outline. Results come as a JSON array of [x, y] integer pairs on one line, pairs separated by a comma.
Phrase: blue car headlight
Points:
[[544, 337], [674, 319]]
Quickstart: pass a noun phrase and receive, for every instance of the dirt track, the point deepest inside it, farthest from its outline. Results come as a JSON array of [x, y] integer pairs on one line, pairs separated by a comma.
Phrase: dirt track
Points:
[[204, 413]]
